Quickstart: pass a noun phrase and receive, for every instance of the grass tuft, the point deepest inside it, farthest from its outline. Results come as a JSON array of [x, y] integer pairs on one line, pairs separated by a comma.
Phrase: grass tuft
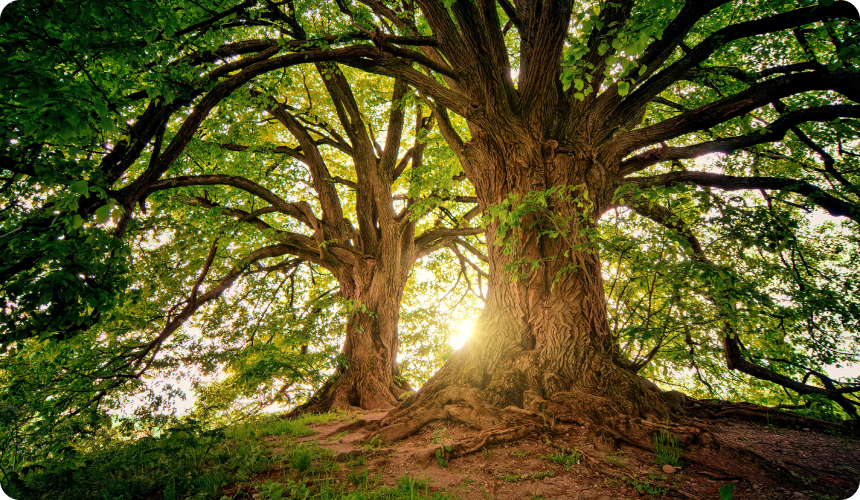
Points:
[[667, 449], [561, 457]]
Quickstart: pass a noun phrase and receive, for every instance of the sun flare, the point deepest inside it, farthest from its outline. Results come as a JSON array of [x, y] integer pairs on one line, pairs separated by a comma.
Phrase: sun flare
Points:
[[461, 334]]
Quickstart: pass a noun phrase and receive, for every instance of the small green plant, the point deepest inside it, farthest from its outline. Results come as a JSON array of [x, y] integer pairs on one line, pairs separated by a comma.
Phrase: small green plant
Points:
[[357, 461], [645, 487], [358, 477], [521, 453], [338, 436], [807, 480], [485, 452], [667, 449], [561, 457], [411, 485], [375, 443], [272, 491], [301, 459], [510, 477], [727, 491], [441, 454], [656, 477], [440, 435], [541, 475]]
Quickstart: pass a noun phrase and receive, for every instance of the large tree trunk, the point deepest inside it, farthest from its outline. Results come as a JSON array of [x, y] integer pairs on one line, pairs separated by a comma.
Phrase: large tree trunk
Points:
[[542, 347]]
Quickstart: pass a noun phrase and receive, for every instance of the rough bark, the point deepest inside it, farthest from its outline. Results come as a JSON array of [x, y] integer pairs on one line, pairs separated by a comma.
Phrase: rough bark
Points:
[[368, 376], [542, 349]]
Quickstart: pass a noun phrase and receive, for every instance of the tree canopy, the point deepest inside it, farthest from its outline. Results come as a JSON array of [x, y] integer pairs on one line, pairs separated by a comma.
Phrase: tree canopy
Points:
[[635, 188]]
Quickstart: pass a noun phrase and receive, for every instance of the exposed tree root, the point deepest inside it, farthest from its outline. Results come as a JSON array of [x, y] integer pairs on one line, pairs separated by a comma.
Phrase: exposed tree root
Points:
[[610, 423], [716, 409], [489, 437], [352, 392]]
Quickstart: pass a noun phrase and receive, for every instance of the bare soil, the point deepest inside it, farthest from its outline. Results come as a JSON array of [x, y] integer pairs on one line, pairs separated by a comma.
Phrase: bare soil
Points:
[[804, 463]]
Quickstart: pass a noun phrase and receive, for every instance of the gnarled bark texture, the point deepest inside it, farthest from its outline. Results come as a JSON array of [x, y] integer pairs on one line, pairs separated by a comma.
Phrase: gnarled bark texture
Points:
[[542, 346], [368, 376]]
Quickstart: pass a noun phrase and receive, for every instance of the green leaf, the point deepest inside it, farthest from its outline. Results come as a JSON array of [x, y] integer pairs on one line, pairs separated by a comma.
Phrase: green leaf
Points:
[[103, 214], [80, 187], [623, 88]]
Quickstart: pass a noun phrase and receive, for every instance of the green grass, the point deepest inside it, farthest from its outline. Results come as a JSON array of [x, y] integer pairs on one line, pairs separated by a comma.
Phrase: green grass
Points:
[[513, 477], [566, 459], [510, 477], [542, 475], [667, 451], [645, 487], [189, 462], [274, 425], [405, 488]]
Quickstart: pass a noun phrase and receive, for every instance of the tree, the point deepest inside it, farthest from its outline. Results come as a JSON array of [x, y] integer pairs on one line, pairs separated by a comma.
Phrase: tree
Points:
[[583, 130], [359, 218], [571, 111]]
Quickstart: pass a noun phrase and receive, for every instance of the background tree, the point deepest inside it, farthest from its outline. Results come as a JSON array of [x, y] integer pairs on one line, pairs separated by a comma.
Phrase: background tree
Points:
[[371, 259], [66, 267]]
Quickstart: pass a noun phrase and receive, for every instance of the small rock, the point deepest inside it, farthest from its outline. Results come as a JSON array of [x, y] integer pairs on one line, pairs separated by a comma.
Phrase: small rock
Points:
[[668, 469], [806, 428]]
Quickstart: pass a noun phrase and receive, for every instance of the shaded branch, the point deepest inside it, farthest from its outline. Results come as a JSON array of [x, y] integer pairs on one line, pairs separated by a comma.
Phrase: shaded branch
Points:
[[833, 205], [300, 210], [437, 238], [772, 133], [737, 105], [667, 77]]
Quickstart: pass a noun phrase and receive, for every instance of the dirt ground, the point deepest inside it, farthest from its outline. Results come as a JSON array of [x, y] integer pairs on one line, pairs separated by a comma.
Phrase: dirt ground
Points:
[[805, 464]]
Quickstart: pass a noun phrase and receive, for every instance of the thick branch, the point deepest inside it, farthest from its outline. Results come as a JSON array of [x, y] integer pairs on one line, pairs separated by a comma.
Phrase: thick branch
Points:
[[739, 104], [664, 79], [301, 210], [736, 361], [772, 133], [833, 205], [435, 239], [666, 218]]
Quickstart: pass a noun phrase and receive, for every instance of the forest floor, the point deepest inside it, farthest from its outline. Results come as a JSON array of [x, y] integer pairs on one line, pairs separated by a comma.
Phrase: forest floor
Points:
[[562, 464]]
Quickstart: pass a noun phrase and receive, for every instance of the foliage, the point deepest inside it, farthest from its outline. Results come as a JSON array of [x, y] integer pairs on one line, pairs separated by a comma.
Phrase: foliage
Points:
[[645, 487], [178, 461], [535, 210]]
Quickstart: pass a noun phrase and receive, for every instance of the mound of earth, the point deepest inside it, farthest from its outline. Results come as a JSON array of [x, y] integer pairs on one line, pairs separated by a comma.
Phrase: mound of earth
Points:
[[560, 462]]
